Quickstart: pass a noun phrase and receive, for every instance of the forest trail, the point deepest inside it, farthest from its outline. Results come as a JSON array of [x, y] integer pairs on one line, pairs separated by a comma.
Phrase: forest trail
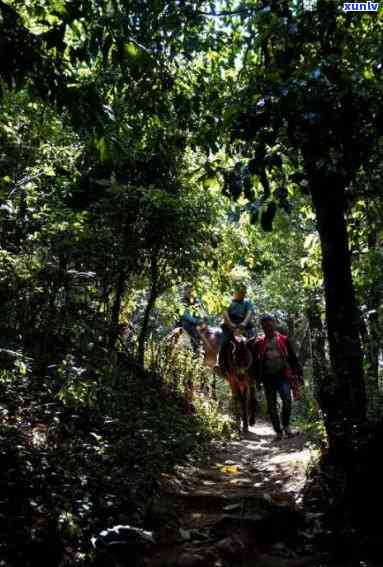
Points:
[[242, 508]]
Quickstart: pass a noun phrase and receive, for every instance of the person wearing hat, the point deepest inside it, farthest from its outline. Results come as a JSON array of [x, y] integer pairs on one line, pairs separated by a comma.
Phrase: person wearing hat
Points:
[[276, 362], [239, 315]]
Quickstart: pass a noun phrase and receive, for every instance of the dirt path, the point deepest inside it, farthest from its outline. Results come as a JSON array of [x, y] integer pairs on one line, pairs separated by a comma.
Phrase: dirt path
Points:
[[243, 508]]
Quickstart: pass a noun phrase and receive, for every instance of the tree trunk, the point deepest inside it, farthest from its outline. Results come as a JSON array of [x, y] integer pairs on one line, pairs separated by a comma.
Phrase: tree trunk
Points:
[[116, 308], [345, 396], [291, 328], [373, 347], [318, 350], [373, 301], [304, 353], [153, 294]]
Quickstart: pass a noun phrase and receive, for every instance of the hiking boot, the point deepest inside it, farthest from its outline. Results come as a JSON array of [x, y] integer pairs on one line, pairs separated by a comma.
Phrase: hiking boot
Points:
[[279, 436], [288, 432]]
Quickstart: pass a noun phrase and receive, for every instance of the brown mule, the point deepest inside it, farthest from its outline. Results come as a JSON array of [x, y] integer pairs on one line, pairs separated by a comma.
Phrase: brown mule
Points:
[[238, 363], [238, 358]]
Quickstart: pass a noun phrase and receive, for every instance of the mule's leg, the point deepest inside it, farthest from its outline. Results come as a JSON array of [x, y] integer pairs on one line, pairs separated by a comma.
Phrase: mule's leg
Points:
[[214, 387], [252, 403], [243, 398], [235, 408]]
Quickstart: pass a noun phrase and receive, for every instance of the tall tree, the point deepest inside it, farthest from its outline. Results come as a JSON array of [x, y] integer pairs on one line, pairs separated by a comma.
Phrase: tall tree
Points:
[[309, 110]]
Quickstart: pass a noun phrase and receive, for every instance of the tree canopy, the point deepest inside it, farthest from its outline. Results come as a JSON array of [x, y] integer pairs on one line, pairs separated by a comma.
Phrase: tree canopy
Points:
[[149, 144]]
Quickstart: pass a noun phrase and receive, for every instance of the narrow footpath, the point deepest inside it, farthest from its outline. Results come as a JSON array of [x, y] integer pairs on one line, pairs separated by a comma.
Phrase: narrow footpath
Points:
[[243, 508]]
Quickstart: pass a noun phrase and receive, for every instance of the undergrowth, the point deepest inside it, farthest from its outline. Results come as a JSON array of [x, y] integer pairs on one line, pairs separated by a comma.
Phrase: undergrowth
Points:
[[84, 449]]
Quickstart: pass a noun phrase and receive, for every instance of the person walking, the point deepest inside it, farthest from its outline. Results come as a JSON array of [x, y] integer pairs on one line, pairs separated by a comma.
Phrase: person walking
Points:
[[276, 366]]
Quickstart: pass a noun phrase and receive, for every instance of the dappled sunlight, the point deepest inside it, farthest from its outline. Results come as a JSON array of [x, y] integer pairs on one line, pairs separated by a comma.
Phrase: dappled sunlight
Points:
[[270, 469], [260, 465], [234, 494]]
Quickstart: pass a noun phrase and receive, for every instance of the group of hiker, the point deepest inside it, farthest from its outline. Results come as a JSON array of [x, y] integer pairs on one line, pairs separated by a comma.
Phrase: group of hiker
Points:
[[275, 364]]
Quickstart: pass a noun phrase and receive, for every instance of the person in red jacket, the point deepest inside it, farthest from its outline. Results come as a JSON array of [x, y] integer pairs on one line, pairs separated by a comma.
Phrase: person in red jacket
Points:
[[278, 369]]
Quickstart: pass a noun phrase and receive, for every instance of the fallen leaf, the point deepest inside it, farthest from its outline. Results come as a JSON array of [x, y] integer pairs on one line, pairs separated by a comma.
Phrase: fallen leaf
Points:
[[231, 469]]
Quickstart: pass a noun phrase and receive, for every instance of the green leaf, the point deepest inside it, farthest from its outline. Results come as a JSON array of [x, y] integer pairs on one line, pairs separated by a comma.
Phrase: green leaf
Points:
[[368, 74], [132, 52], [211, 183], [103, 149]]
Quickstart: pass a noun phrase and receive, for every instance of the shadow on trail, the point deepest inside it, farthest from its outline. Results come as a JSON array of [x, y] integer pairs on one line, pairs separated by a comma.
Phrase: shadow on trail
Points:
[[242, 508]]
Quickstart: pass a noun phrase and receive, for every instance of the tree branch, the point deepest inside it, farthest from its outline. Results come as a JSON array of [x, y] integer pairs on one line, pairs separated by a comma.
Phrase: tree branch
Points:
[[226, 12], [248, 47]]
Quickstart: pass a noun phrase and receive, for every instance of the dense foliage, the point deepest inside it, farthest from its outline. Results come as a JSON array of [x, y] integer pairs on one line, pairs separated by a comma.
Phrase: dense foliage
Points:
[[146, 145]]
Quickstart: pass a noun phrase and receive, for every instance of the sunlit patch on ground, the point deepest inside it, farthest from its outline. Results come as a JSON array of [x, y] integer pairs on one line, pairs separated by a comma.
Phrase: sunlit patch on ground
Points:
[[230, 497]]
